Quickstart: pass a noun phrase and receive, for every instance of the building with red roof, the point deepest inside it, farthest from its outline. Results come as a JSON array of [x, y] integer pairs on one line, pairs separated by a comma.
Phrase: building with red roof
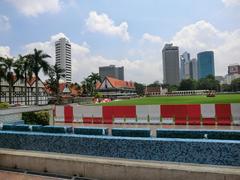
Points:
[[116, 88]]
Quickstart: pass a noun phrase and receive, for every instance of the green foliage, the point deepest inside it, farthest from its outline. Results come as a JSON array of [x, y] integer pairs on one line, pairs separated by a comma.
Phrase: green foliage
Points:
[[172, 88], [139, 88], [89, 84], [226, 88], [236, 84], [98, 95], [188, 84], [36, 118], [208, 83], [4, 105]]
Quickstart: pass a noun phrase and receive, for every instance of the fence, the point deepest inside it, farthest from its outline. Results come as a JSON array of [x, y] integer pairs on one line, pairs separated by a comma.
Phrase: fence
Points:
[[198, 114]]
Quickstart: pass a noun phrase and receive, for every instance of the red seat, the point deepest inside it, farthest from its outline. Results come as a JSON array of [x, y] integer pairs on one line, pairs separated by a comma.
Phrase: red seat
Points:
[[87, 120], [223, 114], [208, 121], [68, 114], [181, 120], [97, 120], [194, 120], [194, 114]]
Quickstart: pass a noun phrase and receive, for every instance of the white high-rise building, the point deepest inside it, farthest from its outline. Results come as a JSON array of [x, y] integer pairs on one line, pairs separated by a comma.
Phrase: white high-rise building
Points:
[[63, 57]]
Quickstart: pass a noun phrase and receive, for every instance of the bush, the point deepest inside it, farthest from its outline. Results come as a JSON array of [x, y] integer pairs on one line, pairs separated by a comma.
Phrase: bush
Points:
[[36, 118], [4, 105]]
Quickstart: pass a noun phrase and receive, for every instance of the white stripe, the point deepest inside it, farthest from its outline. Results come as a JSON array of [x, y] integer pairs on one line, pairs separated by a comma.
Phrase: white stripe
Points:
[[59, 114], [208, 110], [235, 109]]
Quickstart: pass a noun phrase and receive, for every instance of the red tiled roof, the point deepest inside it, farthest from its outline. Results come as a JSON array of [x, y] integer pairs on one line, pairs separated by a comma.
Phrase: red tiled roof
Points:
[[117, 83]]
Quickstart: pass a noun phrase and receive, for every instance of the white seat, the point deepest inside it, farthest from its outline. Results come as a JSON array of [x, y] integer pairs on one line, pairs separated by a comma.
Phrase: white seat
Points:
[[167, 121], [119, 120]]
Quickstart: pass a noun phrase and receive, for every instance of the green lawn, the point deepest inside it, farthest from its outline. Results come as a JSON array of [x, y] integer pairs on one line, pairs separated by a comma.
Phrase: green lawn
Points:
[[226, 98]]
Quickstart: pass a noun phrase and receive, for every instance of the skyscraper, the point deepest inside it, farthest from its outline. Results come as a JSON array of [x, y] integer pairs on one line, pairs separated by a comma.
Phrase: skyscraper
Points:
[[185, 66], [205, 62], [170, 56], [194, 69], [111, 71], [63, 57]]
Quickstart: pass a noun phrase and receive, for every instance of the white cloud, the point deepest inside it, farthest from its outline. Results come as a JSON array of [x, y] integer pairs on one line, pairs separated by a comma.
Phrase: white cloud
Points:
[[232, 3], [103, 24], [4, 23], [202, 36], [5, 51], [151, 38], [36, 7]]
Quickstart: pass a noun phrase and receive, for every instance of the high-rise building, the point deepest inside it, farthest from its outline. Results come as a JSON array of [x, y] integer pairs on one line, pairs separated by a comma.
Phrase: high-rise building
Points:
[[185, 66], [63, 57], [170, 56], [234, 69], [194, 69], [112, 71], [205, 64]]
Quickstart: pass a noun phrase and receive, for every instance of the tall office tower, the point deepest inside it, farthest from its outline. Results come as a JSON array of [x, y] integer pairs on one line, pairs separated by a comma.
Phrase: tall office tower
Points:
[[194, 69], [170, 56], [63, 57], [112, 71], [185, 66], [205, 62]]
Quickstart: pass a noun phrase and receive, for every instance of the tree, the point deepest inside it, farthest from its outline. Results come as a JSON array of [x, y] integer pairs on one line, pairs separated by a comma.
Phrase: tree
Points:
[[55, 74], [139, 88], [226, 87], [38, 63], [208, 83], [23, 72], [236, 84], [8, 74], [187, 84], [89, 83], [2, 74]]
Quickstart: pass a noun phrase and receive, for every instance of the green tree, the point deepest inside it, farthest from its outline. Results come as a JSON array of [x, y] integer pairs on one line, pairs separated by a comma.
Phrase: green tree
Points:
[[2, 74], [23, 72], [89, 83], [38, 63], [208, 83], [139, 88], [187, 84], [8, 70], [55, 74], [226, 87], [236, 84]]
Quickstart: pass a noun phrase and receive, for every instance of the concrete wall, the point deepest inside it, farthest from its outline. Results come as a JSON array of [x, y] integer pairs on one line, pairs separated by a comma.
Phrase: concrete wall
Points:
[[109, 169]]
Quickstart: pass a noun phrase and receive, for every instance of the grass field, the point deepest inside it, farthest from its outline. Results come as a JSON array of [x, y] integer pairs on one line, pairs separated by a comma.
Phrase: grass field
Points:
[[226, 98]]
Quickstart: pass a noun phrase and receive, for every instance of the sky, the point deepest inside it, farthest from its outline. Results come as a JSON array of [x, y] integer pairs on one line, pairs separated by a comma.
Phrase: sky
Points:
[[129, 33]]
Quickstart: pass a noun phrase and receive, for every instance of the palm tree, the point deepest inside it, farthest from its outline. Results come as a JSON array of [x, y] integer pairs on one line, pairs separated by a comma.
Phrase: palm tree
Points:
[[2, 74], [7, 69], [55, 74], [24, 72], [94, 78], [37, 63]]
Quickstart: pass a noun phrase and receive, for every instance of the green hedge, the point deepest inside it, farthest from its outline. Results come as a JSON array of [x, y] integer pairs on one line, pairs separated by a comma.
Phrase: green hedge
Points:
[[36, 118], [4, 105]]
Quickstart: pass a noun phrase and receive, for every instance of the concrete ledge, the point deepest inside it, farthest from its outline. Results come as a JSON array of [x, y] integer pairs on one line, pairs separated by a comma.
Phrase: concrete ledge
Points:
[[111, 168]]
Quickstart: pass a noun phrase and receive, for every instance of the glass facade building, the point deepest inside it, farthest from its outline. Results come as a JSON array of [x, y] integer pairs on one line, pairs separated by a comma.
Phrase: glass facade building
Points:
[[205, 62]]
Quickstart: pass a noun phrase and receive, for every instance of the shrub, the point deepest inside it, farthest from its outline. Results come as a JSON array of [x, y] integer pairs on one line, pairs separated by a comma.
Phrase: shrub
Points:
[[4, 105], [36, 118]]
